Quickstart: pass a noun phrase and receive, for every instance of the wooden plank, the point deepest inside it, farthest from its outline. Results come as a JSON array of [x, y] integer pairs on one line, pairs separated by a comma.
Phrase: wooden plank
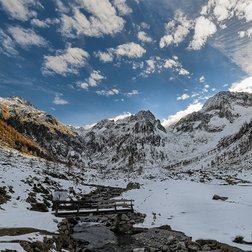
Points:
[[92, 207]]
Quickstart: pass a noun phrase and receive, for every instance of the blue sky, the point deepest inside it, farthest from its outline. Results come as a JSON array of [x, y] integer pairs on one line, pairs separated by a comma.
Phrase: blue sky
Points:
[[95, 59]]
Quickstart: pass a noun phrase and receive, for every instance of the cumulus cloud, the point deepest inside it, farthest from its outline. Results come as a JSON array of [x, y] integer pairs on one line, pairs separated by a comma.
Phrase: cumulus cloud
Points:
[[59, 101], [242, 86], [204, 28], [110, 92], [183, 97], [130, 50], [26, 37], [183, 71], [247, 33], [83, 85], [175, 118], [157, 65], [19, 9], [170, 63], [93, 80], [104, 56], [144, 37], [122, 7], [223, 10], [176, 30], [102, 19], [7, 45], [150, 66], [68, 61]]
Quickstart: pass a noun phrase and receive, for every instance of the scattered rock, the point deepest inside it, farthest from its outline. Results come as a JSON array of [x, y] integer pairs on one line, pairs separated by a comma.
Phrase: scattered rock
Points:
[[217, 197], [133, 185]]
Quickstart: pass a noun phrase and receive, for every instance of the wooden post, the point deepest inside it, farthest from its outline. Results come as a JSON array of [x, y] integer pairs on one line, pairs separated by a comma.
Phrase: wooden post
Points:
[[56, 208], [131, 205], [78, 208], [115, 206]]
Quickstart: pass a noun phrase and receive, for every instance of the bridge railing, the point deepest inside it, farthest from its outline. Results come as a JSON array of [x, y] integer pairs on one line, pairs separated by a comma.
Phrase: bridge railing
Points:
[[78, 206]]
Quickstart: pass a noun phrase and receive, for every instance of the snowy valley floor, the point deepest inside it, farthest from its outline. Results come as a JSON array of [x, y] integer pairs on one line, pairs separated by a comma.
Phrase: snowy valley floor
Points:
[[185, 205]]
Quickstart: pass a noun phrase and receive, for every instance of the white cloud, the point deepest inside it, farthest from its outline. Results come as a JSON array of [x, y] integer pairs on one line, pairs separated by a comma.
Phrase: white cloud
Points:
[[61, 7], [242, 86], [7, 45], [202, 79], [65, 62], [206, 87], [120, 117], [130, 50], [170, 63], [19, 9], [223, 10], [244, 9], [247, 33], [59, 101], [133, 93], [26, 37], [95, 78], [103, 20], [175, 118], [110, 92], [150, 66], [83, 85], [39, 23], [157, 65], [177, 30], [122, 7], [104, 56], [144, 37], [204, 28], [183, 97], [183, 71], [44, 23]]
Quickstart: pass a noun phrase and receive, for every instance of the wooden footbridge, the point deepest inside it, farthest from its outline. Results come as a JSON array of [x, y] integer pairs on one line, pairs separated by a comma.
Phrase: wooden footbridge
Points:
[[81, 207]]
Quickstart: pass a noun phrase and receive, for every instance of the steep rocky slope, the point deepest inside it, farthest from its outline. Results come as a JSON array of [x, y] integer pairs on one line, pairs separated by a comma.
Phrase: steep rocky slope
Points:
[[219, 134], [133, 142], [43, 130]]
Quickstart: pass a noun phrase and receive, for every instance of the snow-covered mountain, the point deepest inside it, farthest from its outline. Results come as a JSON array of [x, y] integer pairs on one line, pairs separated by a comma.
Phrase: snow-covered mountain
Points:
[[212, 146], [219, 134]]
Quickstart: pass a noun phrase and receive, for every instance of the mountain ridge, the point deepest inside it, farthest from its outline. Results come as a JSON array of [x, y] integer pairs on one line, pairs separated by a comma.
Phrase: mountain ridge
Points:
[[138, 141]]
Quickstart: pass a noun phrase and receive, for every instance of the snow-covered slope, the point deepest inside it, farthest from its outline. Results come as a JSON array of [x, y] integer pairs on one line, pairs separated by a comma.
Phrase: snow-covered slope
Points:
[[138, 143]]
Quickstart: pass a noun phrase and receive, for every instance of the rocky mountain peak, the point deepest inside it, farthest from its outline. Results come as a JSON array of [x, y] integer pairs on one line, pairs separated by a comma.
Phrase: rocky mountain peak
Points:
[[218, 111], [226, 99], [19, 100], [145, 115]]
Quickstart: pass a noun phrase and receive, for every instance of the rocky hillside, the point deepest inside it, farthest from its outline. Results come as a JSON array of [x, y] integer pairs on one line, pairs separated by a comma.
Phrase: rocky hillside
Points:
[[57, 140], [133, 142], [219, 133]]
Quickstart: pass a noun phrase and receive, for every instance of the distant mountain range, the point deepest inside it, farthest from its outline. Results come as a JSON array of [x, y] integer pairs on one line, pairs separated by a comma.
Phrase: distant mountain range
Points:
[[218, 136]]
